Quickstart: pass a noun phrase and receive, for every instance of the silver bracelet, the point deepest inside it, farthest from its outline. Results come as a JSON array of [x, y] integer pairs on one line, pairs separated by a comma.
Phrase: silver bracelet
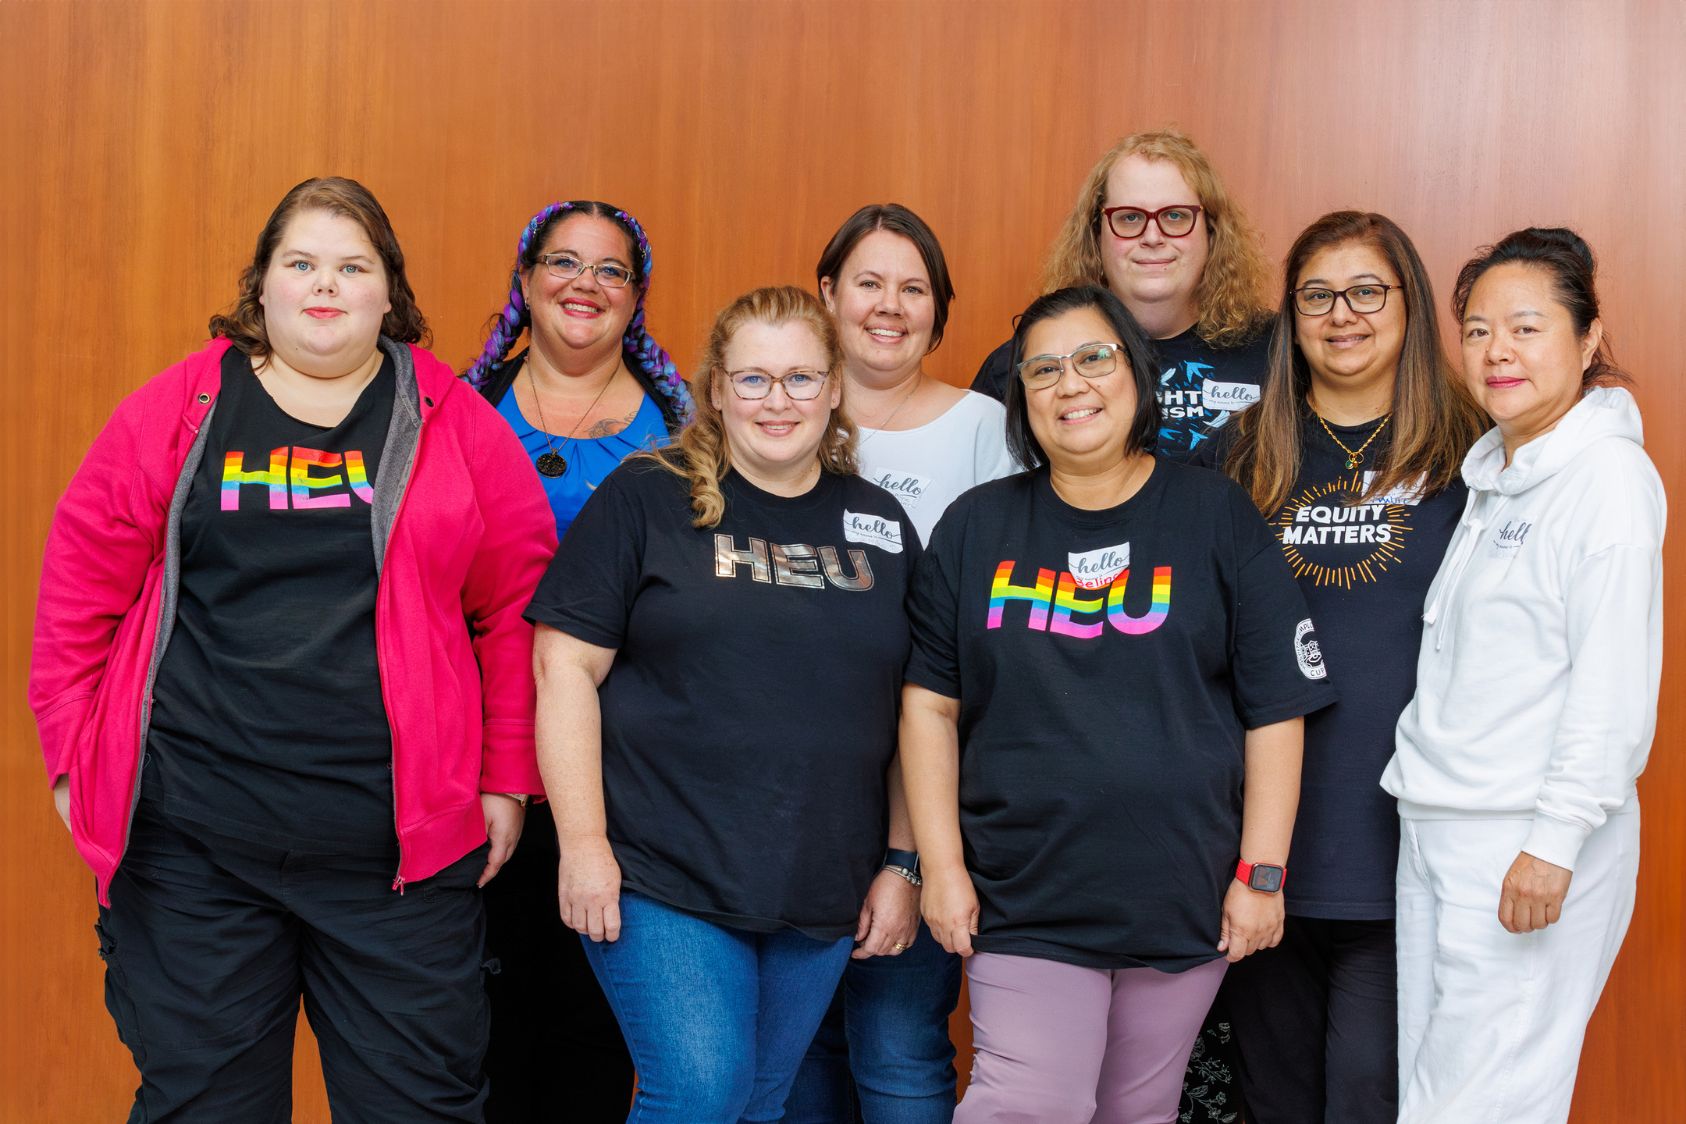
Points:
[[903, 872]]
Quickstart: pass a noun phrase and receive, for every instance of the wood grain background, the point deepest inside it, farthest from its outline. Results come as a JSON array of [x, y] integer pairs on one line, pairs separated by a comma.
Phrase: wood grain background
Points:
[[143, 144]]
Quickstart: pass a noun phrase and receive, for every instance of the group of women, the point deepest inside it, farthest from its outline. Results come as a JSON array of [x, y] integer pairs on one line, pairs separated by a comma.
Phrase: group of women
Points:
[[839, 679]]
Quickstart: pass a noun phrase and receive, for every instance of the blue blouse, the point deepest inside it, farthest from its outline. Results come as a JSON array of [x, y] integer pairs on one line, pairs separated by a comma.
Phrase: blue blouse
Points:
[[589, 459]]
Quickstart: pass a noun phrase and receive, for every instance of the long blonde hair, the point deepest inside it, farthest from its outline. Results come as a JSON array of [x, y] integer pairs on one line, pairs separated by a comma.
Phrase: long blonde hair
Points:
[[1228, 296], [701, 454]]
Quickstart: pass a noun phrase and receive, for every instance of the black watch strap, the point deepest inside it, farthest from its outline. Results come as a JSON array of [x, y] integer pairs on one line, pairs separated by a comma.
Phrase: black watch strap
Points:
[[907, 860]]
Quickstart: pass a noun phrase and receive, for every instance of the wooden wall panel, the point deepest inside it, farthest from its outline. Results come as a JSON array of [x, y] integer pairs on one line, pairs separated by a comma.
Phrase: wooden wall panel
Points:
[[142, 145]]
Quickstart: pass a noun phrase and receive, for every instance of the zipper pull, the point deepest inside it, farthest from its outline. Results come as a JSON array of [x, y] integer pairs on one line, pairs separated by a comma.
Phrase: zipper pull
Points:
[[398, 884]]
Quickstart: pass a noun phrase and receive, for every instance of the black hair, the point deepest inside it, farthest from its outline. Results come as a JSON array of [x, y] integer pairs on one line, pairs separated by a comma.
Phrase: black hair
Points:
[[1143, 436], [1568, 259]]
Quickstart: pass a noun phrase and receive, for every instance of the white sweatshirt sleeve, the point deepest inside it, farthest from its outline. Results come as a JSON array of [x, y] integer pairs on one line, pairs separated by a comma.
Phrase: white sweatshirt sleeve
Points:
[[991, 460], [1614, 605]]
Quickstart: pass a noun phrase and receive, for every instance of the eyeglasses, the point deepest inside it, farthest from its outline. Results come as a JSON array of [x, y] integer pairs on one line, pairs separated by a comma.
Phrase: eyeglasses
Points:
[[566, 267], [1092, 361], [1131, 222], [1317, 300], [752, 384]]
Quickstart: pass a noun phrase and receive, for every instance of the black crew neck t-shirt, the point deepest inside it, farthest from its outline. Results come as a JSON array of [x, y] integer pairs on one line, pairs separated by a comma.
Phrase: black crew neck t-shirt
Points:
[[1108, 664], [267, 718], [1200, 387], [750, 713], [1365, 569]]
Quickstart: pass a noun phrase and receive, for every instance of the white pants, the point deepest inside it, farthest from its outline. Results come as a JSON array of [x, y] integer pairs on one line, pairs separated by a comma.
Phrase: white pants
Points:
[[1491, 1022]]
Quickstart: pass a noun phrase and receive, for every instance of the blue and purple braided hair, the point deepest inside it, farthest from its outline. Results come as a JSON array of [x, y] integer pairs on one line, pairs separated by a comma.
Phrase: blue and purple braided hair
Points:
[[650, 356]]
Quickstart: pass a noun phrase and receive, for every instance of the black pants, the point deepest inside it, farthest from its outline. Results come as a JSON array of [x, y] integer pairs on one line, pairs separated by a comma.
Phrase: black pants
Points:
[[557, 1052], [211, 942], [1316, 1023]]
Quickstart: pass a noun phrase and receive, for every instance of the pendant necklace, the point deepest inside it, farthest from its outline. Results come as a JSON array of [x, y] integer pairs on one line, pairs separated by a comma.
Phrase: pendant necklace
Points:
[[891, 416], [553, 463], [1354, 457]]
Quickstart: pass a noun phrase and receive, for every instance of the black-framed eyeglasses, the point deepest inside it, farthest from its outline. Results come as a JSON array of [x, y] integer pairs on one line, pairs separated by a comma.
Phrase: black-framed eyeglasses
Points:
[[1175, 221], [566, 267], [801, 385], [1319, 300], [1092, 361]]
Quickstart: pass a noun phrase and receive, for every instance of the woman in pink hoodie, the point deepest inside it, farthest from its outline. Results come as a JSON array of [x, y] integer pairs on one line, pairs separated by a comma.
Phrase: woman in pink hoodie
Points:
[[281, 678]]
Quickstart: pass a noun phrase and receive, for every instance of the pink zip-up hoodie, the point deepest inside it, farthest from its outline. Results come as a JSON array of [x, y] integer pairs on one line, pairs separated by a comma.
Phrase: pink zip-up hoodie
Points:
[[462, 535]]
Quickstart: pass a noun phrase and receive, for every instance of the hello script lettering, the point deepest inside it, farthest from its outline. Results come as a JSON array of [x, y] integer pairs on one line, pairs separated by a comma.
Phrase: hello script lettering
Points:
[[1057, 603]]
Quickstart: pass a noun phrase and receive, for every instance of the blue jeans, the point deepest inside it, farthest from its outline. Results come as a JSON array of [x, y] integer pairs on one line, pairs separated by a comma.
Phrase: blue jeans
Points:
[[883, 1054], [716, 1018]]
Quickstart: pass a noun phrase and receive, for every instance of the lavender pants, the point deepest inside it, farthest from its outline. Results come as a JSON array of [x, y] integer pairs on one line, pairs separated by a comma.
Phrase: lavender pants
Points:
[[1057, 1043]]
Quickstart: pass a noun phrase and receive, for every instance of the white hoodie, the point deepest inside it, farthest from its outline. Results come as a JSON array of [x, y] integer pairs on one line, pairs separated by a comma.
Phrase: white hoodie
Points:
[[1542, 646]]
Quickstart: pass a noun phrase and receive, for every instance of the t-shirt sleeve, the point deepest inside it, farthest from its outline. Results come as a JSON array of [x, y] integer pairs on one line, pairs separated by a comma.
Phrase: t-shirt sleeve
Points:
[[933, 610], [591, 583], [1275, 660]]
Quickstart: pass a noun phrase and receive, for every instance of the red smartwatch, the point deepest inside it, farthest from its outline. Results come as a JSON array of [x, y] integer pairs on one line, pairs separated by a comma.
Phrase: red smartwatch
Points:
[[1266, 878]]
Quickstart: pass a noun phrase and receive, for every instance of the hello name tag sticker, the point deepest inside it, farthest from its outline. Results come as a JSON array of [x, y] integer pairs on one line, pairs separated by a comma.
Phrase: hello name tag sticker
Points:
[[1096, 569], [908, 487], [1216, 395], [1409, 494], [873, 530]]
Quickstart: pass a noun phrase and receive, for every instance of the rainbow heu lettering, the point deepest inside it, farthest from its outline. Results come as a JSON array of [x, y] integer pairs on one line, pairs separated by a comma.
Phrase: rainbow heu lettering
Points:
[[1056, 601], [292, 479]]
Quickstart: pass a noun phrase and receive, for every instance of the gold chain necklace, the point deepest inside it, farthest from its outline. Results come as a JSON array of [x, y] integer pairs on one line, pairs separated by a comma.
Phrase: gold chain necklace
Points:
[[1354, 457]]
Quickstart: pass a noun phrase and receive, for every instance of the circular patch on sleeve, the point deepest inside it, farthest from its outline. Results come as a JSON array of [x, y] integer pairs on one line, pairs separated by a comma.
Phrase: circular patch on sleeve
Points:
[[1308, 652]]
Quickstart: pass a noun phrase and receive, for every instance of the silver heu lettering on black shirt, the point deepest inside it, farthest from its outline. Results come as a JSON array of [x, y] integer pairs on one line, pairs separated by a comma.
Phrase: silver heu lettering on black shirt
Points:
[[727, 559], [797, 565], [1307, 651]]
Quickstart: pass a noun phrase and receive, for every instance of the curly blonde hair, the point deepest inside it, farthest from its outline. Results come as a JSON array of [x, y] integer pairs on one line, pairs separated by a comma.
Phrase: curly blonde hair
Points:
[[1228, 296], [702, 454]]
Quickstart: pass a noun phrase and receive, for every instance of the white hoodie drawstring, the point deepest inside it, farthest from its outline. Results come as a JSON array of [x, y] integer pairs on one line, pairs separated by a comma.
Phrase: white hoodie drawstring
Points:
[[1470, 526]]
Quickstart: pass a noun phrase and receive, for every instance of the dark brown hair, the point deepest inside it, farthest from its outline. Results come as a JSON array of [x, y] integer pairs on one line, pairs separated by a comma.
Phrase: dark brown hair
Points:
[[1568, 259], [897, 219], [1434, 421], [244, 323]]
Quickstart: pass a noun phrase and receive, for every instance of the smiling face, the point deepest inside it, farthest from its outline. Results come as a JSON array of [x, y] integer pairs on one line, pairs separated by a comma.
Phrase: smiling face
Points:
[[882, 302], [1522, 357], [324, 295], [578, 322], [1348, 349], [1153, 271], [1080, 423], [776, 439]]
